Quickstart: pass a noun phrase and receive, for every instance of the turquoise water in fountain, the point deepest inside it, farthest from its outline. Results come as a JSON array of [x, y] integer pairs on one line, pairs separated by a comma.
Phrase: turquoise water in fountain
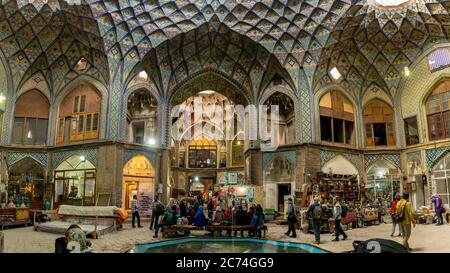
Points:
[[225, 245]]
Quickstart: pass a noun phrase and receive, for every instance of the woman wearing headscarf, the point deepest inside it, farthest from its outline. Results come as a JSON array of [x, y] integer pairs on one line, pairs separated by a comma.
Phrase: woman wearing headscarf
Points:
[[74, 241], [241, 219], [438, 208], [257, 223], [169, 219], [200, 219]]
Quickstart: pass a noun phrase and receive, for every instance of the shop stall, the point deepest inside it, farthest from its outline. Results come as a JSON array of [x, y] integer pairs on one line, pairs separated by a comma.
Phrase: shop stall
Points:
[[26, 184]]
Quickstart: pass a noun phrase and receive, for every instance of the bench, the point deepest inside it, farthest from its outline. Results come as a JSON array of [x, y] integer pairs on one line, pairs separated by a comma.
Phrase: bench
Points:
[[216, 230]]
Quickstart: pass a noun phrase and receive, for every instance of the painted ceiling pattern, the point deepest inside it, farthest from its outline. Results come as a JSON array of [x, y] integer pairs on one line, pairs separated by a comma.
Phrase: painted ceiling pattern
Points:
[[368, 43]]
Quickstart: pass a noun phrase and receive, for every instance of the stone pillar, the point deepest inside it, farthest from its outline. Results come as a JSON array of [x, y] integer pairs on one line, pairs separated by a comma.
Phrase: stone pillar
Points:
[[309, 163], [256, 171], [1, 242], [3, 178], [109, 173], [164, 172]]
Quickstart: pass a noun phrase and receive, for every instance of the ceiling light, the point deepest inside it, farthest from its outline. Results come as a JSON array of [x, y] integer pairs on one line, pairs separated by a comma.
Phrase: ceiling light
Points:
[[196, 178], [334, 72], [81, 65], [407, 72], [143, 75], [207, 92], [151, 141], [82, 158]]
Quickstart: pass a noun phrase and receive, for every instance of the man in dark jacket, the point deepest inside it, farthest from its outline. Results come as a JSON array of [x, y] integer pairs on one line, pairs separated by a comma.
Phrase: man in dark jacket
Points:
[[315, 213], [291, 218]]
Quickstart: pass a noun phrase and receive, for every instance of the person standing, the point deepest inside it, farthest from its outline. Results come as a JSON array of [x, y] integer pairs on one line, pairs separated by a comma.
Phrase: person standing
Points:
[[210, 207], [315, 213], [257, 223], [183, 208], [383, 205], [337, 214], [405, 218], [394, 215], [438, 208], [135, 212], [196, 206], [291, 218], [157, 210]]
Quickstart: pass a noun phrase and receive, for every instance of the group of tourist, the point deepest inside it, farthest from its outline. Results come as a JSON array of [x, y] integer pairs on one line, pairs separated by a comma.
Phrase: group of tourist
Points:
[[218, 213], [316, 214]]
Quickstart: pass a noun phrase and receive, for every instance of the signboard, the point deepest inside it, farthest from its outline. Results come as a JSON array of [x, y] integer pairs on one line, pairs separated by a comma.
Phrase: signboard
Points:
[[145, 203], [232, 178]]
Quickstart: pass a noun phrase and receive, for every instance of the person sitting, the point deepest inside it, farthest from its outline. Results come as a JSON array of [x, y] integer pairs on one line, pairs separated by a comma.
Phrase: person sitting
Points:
[[74, 241], [169, 219], [230, 217], [200, 219], [257, 224], [190, 214], [241, 219]]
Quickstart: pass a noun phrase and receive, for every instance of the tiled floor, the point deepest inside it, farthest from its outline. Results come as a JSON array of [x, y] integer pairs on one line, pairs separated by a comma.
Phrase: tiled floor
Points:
[[425, 238]]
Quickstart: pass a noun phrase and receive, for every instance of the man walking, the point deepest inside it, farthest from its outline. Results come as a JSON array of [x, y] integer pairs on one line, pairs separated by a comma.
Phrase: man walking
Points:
[[157, 210], [315, 213], [291, 218], [405, 218], [337, 213], [135, 212]]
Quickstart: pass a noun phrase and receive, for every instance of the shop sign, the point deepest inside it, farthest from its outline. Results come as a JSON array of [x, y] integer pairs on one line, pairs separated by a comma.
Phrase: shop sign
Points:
[[232, 178]]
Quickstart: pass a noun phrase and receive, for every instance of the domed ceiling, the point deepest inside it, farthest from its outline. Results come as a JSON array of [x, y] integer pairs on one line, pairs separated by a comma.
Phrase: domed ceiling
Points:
[[370, 43]]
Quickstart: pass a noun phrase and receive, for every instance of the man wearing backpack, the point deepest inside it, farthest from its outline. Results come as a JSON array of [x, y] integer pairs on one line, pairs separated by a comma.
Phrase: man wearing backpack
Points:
[[405, 218], [315, 213], [337, 213]]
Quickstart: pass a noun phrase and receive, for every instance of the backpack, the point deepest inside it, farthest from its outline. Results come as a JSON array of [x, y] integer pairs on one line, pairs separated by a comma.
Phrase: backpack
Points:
[[401, 216], [344, 211], [159, 209], [317, 212]]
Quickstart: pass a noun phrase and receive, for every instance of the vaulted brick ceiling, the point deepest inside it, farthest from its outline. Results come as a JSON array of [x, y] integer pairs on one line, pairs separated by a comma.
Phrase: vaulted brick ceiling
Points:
[[369, 44]]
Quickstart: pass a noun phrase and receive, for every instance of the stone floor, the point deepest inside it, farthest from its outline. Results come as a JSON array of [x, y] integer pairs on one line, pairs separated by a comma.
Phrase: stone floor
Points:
[[425, 238]]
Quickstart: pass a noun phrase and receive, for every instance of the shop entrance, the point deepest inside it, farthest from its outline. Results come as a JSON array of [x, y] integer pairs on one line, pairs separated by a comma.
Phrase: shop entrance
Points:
[[283, 189], [138, 179], [131, 189]]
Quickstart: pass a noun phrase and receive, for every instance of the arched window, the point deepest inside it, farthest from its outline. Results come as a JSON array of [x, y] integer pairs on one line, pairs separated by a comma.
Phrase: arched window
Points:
[[441, 179], [75, 182], [286, 118], [237, 152], [79, 115], [378, 119], [337, 118], [31, 118], [438, 112], [202, 153], [141, 118]]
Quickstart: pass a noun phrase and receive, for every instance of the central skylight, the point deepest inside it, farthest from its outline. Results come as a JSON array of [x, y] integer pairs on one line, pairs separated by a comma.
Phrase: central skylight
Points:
[[391, 3]]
